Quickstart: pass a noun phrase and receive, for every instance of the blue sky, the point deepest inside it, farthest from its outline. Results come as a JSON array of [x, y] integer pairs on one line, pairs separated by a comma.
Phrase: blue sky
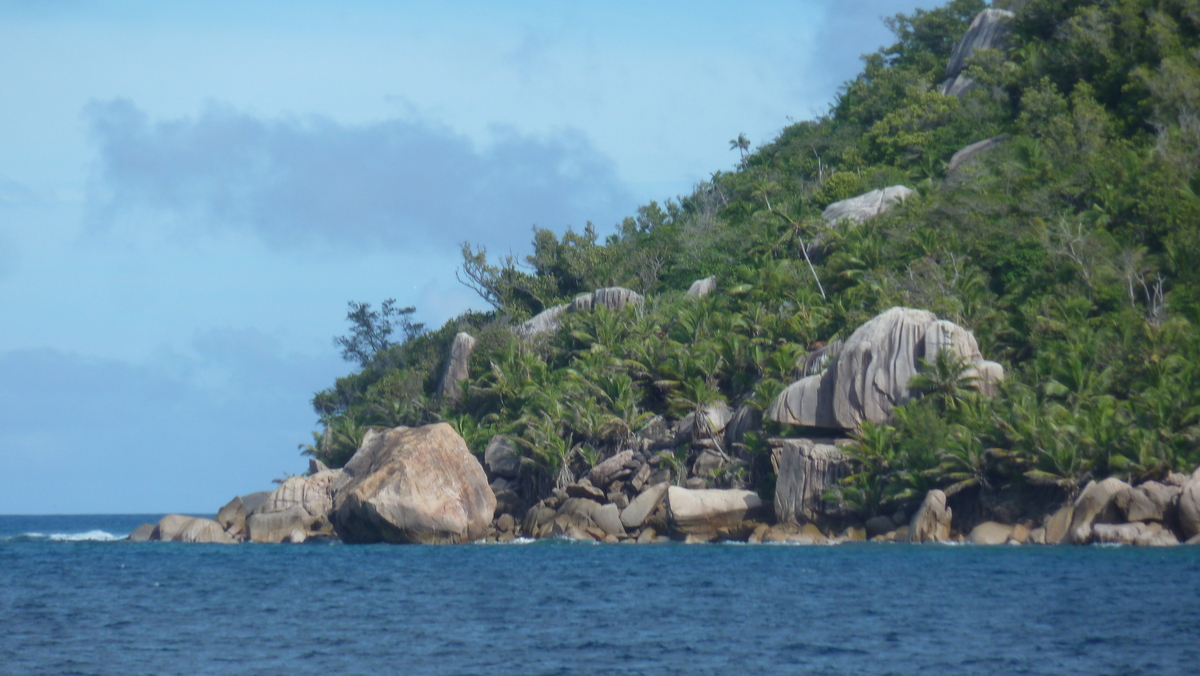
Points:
[[190, 193]]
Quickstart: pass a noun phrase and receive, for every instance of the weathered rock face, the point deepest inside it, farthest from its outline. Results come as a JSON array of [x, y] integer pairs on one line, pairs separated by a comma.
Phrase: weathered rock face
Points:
[[702, 287], [456, 367], [990, 533], [413, 484], [805, 468], [501, 458], [870, 376], [962, 160], [931, 523], [1094, 505], [703, 512], [866, 205], [989, 30]]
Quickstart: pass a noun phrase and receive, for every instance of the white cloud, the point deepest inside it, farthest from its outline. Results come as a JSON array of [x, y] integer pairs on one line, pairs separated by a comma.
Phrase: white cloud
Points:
[[399, 183]]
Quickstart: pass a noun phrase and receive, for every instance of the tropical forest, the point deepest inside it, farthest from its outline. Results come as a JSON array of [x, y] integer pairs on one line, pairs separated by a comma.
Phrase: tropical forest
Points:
[[1025, 171]]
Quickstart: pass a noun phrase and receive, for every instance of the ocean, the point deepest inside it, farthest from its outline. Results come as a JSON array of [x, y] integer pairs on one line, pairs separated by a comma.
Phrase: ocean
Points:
[[75, 599]]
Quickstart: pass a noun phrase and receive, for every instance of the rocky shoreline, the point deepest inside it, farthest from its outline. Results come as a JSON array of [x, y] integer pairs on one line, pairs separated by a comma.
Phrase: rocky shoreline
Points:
[[422, 485]]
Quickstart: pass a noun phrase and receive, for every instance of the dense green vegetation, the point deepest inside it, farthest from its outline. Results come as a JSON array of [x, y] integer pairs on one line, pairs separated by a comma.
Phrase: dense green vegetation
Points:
[[1072, 251]]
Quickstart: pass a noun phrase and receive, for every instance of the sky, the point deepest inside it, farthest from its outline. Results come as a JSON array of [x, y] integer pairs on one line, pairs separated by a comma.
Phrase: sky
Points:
[[191, 192]]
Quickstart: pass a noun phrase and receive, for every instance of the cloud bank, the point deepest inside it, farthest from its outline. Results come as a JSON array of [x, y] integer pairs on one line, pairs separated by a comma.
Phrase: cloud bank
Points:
[[396, 183], [182, 432]]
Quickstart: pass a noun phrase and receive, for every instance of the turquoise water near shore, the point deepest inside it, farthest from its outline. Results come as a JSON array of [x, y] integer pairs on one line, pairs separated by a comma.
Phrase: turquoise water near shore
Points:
[[75, 601]]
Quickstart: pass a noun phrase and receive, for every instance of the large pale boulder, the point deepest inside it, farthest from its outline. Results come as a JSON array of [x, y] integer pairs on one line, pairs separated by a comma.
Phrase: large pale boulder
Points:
[[989, 30], [1189, 507], [805, 470], [869, 377], [702, 287], [204, 531], [641, 507], [1095, 504], [170, 527], [990, 533], [413, 484], [703, 511], [456, 370], [866, 205], [279, 525], [931, 523]]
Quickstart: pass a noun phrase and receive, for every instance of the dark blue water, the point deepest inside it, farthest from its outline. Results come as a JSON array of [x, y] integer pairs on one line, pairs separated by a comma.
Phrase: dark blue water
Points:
[[110, 607]]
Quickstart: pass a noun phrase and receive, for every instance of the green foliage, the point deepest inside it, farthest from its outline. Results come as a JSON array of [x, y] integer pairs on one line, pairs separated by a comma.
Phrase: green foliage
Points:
[[1069, 250]]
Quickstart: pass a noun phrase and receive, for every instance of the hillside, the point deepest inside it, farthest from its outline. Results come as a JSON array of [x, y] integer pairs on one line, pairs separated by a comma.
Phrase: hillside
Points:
[[1069, 246]]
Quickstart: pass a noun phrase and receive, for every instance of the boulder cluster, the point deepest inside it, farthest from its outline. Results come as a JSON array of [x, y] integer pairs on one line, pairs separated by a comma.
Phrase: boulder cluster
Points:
[[407, 484]]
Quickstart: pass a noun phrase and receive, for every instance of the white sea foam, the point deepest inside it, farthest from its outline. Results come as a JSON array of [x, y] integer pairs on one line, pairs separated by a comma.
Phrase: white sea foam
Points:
[[91, 535]]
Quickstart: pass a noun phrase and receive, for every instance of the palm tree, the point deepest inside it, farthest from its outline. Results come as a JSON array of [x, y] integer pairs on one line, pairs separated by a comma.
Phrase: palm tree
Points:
[[742, 144], [948, 378]]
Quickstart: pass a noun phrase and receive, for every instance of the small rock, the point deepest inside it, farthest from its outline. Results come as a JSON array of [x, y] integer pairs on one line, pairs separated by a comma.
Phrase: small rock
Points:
[[585, 489], [932, 520], [646, 536], [501, 458], [695, 483], [853, 534], [661, 475], [506, 523]]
